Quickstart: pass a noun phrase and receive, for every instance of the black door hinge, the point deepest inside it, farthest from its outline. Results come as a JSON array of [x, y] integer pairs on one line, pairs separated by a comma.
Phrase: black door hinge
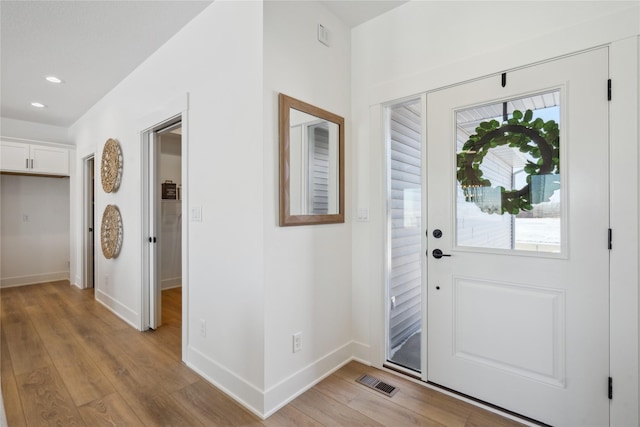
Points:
[[610, 388], [610, 244], [609, 90]]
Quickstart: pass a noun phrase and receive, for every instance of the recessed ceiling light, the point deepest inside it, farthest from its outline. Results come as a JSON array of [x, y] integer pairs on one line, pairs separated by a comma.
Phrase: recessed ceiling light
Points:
[[38, 105], [53, 79]]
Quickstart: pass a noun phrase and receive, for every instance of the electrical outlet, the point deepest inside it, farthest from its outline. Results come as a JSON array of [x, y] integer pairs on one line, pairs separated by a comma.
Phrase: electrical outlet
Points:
[[203, 327], [297, 342]]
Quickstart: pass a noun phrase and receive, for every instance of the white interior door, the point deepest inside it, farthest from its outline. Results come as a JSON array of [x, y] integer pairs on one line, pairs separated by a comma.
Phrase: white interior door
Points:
[[518, 314]]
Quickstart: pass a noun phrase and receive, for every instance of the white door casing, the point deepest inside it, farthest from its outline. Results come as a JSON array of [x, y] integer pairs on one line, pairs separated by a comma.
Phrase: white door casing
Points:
[[523, 330]]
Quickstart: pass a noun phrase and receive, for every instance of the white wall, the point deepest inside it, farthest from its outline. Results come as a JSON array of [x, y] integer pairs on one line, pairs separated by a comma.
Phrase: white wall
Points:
[[307, 269], [34, 131], [422, 46], [34, 229], [217, 60]]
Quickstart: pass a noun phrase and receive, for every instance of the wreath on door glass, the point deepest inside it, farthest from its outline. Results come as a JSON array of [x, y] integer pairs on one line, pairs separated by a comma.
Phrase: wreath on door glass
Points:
[[538, 138]]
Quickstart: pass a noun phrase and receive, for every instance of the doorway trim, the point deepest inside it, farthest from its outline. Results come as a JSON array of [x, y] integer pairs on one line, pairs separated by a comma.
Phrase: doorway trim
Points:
[[624, 204], [173, 111]]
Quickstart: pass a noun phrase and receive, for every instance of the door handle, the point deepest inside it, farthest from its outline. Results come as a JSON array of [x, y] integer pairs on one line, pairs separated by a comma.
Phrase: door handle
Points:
[[437, 254]]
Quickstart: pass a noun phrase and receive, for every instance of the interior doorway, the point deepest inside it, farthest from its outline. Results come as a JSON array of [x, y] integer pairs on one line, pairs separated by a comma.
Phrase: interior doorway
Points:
[[164, 214], [89, 221], [164, 228], [169, 220]]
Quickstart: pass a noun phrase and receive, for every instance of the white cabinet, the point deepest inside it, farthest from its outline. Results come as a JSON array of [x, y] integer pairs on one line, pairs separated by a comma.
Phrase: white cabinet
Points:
[[18, 157]]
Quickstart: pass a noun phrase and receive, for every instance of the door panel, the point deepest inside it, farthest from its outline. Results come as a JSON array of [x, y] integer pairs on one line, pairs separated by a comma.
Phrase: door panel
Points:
[[512, 321]]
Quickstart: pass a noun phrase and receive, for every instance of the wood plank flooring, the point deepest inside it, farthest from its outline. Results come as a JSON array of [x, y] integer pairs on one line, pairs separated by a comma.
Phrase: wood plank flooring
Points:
[[65, 360]]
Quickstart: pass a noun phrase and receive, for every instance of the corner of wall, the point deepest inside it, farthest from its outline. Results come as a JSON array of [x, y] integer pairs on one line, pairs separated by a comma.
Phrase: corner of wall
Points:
[[242, 391], [297, 383]]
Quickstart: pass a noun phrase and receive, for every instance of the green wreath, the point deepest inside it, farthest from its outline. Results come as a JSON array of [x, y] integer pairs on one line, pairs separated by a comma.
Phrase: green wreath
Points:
[[540, 139]]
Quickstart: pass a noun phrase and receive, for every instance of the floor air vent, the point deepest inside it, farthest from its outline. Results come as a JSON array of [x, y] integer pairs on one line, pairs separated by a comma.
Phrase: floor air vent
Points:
[[378, 385]]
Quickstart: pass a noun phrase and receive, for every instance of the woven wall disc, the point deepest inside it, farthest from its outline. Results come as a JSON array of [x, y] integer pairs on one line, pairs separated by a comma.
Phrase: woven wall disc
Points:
[[111, 232], [111, 168]]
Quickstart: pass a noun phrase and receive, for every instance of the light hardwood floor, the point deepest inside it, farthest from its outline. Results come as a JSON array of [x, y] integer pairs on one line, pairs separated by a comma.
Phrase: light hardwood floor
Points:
[[67, 361]]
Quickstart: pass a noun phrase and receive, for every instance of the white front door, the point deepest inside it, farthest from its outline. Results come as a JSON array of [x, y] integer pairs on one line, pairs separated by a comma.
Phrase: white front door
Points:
[[518, 196]]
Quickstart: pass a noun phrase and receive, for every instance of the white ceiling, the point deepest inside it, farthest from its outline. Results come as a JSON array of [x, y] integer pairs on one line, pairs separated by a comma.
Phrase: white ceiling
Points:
[[93, 45], [355, 12]]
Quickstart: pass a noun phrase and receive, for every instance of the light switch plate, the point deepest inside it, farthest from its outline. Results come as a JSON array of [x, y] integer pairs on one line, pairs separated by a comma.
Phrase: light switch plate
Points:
[[363, 214], [196, 213]]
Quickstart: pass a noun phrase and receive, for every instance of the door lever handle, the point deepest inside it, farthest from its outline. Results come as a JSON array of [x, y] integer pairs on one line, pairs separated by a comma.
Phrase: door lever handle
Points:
[[437, 254]]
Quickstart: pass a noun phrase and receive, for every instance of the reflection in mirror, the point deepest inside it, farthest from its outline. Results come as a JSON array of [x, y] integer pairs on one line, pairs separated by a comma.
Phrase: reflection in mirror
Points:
[[311, 164], [313, 156]]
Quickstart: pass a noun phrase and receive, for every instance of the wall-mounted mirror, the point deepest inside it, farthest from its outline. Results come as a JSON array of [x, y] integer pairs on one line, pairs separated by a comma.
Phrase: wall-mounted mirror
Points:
[[311, 164]]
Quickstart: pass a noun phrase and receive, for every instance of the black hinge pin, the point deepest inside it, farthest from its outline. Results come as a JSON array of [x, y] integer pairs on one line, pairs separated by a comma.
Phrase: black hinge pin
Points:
[[610, 245], [610, 388], [609, 90]]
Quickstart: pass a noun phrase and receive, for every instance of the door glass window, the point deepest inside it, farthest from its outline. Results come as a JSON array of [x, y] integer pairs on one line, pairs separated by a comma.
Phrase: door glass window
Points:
[[404, 268], [508, 175]]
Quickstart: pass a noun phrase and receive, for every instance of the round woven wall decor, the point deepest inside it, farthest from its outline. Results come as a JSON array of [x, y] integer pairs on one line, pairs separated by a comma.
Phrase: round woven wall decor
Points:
[[111, 168], [111, 232]]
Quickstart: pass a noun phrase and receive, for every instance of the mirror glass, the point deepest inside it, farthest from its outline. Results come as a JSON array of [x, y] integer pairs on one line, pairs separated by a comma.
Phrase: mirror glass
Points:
[[311, 164]]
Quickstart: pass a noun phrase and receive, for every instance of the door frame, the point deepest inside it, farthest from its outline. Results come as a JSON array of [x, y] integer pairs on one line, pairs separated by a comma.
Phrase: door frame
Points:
[[624, 160], [88, 210], [172, 112]]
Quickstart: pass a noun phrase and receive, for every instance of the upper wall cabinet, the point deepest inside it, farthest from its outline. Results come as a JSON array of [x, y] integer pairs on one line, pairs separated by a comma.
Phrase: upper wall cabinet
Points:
[[18, 157]]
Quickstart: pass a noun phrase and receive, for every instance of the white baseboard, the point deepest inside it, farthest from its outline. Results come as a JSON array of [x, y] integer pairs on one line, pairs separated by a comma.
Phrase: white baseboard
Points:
[[265, 403], [33, 279], [119, 309], [361, 352], [175, 282], [288, 389], [243, 392]]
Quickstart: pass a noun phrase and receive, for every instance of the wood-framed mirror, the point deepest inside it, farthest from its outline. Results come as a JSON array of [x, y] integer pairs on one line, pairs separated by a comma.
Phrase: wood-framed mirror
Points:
[[311, 164]]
